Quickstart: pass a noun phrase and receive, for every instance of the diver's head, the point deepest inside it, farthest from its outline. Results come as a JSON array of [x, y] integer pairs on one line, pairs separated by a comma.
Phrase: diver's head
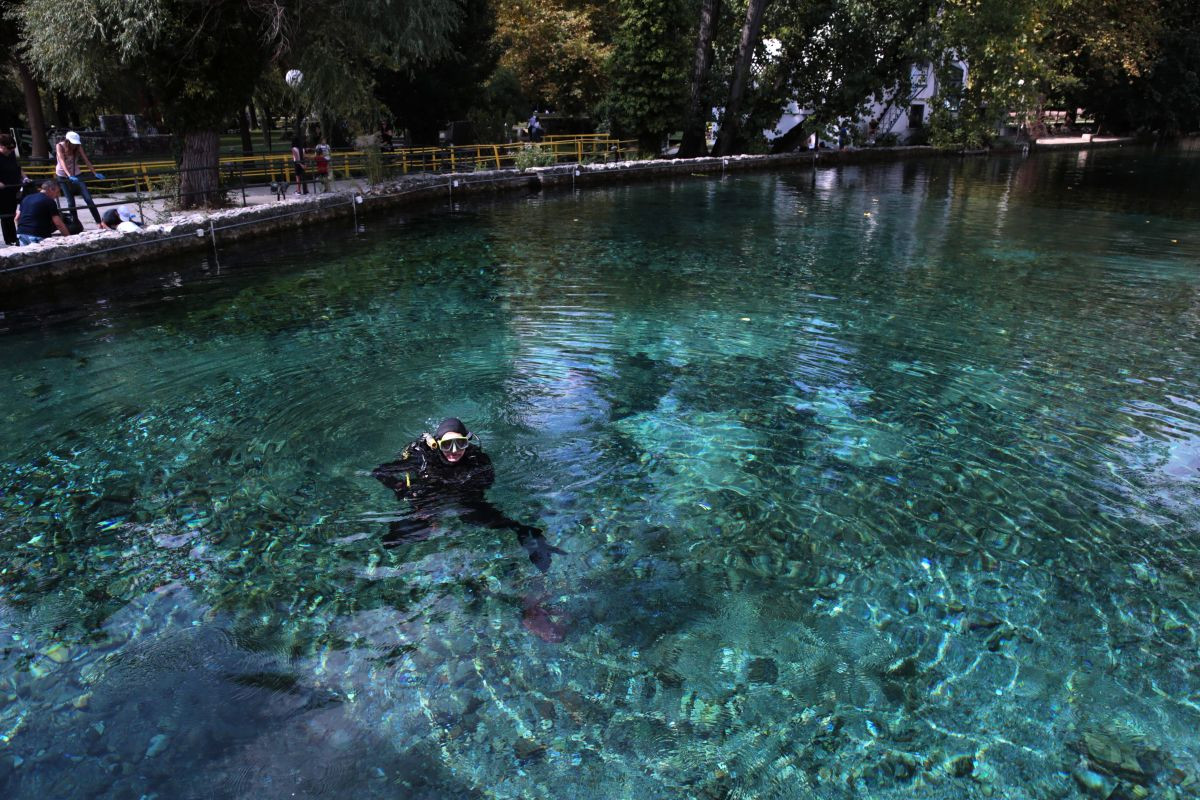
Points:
[[452, 439]]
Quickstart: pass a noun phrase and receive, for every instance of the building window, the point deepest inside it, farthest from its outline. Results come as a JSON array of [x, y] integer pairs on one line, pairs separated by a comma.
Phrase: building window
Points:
[[916, 116]]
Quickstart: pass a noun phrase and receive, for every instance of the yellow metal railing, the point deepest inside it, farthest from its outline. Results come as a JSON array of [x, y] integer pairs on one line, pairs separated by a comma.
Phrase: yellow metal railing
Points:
[[149, 176]]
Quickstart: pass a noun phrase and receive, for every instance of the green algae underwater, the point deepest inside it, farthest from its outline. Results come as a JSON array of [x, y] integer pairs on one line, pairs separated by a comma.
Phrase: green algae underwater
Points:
[[876, 482]]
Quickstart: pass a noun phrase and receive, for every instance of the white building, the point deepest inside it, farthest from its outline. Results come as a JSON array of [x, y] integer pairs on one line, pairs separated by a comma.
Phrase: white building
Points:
[[904, 114]]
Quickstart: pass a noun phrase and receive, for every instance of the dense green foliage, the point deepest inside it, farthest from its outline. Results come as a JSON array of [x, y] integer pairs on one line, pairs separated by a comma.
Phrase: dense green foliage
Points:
[[649, 70], [642, 68], [423, 97], [558, 49], [198, 61]]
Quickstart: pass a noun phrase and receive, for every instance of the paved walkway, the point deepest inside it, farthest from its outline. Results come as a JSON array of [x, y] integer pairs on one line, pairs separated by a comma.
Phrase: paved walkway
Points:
[[1076, 141], [155, 211]]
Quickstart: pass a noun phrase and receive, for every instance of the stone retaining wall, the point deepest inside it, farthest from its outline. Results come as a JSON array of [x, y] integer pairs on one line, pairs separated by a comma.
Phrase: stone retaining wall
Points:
[[96, 252]]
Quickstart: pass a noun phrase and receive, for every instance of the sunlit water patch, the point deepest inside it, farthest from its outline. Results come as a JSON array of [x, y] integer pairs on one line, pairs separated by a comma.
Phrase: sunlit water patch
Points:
[[877, 482]]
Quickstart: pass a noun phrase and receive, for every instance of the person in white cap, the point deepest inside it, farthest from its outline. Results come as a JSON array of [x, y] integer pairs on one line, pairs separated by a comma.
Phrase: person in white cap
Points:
[[131, 220], [69, 152]]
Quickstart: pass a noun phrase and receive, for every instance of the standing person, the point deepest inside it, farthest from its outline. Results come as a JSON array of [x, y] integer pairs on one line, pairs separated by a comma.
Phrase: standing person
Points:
[[69, 152], [322, 155], [298, 165], [535, 128], [11, 178], [386, 136], [38, 215]]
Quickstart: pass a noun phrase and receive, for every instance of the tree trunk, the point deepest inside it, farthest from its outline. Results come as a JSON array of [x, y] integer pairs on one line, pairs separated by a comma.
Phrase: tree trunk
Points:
[[33, 110], [244, 126], [253, 116], [694, 142], [199, 170], [268, 127], [62, 110], [727, 138]]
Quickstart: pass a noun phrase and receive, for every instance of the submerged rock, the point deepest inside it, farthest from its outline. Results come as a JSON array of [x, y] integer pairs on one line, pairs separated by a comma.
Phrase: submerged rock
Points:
[[58, 653], [157, 745], [1093, 782], [527, 748], [762, 670]]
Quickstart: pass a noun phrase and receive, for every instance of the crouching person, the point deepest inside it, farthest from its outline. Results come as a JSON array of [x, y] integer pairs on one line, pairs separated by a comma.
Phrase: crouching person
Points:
[[38, 215]]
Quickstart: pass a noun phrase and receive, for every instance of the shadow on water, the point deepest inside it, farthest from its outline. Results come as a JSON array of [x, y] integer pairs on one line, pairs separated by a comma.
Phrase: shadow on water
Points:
[[191, 712]]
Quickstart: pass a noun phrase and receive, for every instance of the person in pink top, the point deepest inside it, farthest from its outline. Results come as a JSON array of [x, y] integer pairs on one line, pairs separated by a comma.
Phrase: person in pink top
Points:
[[69, 153]]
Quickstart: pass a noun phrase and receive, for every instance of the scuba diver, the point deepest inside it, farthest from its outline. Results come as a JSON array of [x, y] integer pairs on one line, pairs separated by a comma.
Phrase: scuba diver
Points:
[[448, 473]]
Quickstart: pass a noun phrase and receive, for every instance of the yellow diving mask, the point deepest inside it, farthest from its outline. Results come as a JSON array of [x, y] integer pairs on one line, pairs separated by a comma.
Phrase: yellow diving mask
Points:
[[455, 442]]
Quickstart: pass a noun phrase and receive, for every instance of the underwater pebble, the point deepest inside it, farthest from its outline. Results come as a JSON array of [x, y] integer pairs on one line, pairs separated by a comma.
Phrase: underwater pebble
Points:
[[1093, 782], [157, 745], [527, 748], [57, 653]]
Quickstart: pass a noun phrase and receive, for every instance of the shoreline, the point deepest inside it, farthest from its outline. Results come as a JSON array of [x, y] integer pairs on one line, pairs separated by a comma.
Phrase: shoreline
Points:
[[97, 252]]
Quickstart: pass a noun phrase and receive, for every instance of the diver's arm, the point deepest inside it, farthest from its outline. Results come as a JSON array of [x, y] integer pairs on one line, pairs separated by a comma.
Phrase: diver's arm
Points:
[[403, 473]]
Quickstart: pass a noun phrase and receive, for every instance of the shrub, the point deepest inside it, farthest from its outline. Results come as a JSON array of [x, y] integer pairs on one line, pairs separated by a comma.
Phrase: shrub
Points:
[[533, 156], [961, 131], [373, 162]]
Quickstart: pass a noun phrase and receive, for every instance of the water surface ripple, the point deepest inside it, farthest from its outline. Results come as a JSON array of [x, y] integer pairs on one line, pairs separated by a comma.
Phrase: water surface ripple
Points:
[[878, 482]]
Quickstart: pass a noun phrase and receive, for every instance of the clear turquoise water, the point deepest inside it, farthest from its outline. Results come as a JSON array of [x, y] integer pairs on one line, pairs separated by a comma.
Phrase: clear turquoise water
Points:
[[876, 483]]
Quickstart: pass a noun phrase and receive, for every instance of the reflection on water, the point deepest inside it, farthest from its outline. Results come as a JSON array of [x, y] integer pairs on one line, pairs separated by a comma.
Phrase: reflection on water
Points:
[[879, 482]]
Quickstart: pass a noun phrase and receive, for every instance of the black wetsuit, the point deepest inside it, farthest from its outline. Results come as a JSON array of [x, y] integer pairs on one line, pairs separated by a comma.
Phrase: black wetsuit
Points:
[[434, 487]]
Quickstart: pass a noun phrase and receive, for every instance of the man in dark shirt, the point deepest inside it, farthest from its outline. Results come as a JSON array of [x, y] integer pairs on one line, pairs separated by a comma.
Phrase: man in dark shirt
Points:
[[38, 215], [11, 178]]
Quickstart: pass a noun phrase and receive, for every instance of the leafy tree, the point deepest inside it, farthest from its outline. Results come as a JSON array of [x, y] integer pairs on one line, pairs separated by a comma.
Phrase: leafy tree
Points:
[[731, 122], [200, 59], [557, 50], [10, 37], [1025, 55], [649, 78], [1111, 48], [696, 115], [835, 55], [423, 97], [501, 103], [1011, 65], [1165, 95], [827, 56]]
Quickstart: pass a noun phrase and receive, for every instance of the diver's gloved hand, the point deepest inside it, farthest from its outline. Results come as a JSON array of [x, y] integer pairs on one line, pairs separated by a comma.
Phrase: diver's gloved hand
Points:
[[540, 550]]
